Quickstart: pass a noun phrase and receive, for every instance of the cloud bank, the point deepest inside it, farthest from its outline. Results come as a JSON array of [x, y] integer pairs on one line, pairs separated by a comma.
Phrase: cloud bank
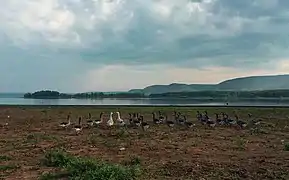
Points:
[[74, 45]]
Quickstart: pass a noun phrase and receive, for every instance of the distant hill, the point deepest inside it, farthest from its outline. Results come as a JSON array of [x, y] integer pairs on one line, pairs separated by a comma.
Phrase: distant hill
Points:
[[256, 83], [238, 84], [175, 87]]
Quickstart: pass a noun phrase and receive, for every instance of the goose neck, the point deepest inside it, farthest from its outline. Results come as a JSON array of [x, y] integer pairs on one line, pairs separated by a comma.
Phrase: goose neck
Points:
[[118, 115]]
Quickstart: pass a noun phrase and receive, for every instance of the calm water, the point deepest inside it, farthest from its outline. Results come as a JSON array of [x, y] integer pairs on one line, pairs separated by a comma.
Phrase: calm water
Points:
[[22, 101]]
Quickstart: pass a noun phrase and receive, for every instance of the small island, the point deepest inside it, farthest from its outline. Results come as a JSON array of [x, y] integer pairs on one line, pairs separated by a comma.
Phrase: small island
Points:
[[48, 94]]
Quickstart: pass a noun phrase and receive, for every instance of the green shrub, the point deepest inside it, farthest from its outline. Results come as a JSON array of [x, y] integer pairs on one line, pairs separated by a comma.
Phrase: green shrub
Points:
[[4, 158], [79, 168], [286, 147]]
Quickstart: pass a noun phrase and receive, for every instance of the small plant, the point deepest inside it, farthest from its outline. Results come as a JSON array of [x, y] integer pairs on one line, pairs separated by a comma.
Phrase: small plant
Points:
[[8, 167], [48, 176], [86, 168], [31, 138], [133, 161], [109, 143], [286, 146], [53, 176], [36, 137], [92, 139], [241, 144], [122, 134], [4, 158]]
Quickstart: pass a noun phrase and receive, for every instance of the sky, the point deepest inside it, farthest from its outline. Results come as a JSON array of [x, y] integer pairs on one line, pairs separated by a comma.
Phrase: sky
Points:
[[115, 45]]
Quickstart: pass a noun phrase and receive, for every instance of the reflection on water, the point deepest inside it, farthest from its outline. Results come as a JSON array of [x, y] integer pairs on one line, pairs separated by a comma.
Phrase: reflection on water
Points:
[[204, 102]]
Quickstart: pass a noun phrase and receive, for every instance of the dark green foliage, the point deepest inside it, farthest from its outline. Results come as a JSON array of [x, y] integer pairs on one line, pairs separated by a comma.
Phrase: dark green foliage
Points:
[[4, 158], [134, 161], [225, 94], [8, 167], [86, 168], [47, 94], [94, 95], [286, 147], [53, 176]]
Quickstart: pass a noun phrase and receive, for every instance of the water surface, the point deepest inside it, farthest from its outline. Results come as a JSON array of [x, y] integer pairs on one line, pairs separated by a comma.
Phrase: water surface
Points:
[[179, 102]]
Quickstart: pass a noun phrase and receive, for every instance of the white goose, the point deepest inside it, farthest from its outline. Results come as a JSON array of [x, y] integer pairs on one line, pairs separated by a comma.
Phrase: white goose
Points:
[[110, 121], [119, 120]]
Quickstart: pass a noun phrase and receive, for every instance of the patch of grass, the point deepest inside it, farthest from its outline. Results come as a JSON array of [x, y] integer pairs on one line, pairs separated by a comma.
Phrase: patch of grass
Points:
[[122, 134], [109, 143], [37, 137], [257, 131], [53, 176], [286, 146], [133, 161], [92, 139], [79, 168], [5, 158], [241, 144], [8, 167]]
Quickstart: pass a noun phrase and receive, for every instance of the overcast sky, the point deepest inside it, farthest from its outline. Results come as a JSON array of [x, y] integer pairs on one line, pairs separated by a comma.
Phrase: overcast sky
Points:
[[110, 45]]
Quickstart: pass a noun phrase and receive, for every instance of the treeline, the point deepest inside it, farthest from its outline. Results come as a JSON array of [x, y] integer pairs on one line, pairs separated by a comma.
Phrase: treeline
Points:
[[225, 94], [48, 95], [197, 94], [97, 95], [94, 95]]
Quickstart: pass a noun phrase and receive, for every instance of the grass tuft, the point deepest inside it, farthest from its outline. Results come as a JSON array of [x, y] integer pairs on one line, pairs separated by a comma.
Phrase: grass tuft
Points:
[[5, 158], [38, 137], [133, 161], [53, 176], [241, 144], [8, 167], [86, 168], [286, 147]]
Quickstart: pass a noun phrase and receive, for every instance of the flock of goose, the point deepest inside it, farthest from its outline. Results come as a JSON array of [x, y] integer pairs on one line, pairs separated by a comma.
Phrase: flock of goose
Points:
[[137, 120]]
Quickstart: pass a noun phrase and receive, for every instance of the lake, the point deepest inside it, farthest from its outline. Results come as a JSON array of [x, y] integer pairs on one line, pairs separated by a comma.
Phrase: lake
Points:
[[147, 102]]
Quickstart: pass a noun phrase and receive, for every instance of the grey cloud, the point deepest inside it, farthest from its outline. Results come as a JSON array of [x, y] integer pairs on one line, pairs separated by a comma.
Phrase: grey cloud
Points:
[[225, 32]]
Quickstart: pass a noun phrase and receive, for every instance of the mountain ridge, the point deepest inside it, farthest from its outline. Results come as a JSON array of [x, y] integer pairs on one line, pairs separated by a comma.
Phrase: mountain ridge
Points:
[[249, 83]]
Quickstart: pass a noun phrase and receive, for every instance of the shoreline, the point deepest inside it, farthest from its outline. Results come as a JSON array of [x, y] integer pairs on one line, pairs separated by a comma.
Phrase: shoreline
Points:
[[148, 106], [166, 98]]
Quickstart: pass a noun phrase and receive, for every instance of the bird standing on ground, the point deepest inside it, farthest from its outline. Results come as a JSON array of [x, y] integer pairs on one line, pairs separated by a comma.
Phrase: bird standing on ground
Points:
[[180, 119], [136, 119], [66, 124], [110, 122], [100, 120], [169, 122], [186, 123], [78, 128], [219, 120], [119, 120], [240, 123], [144, 125], [89, 121], [161, 117], [130, 119], [155, 119]]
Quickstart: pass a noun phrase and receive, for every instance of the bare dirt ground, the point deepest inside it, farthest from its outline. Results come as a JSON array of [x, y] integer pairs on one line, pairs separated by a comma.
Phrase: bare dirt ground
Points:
[[164, 153]]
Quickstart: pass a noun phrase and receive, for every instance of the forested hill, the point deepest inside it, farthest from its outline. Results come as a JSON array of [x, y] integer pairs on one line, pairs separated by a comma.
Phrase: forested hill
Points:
[[252, 83]]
